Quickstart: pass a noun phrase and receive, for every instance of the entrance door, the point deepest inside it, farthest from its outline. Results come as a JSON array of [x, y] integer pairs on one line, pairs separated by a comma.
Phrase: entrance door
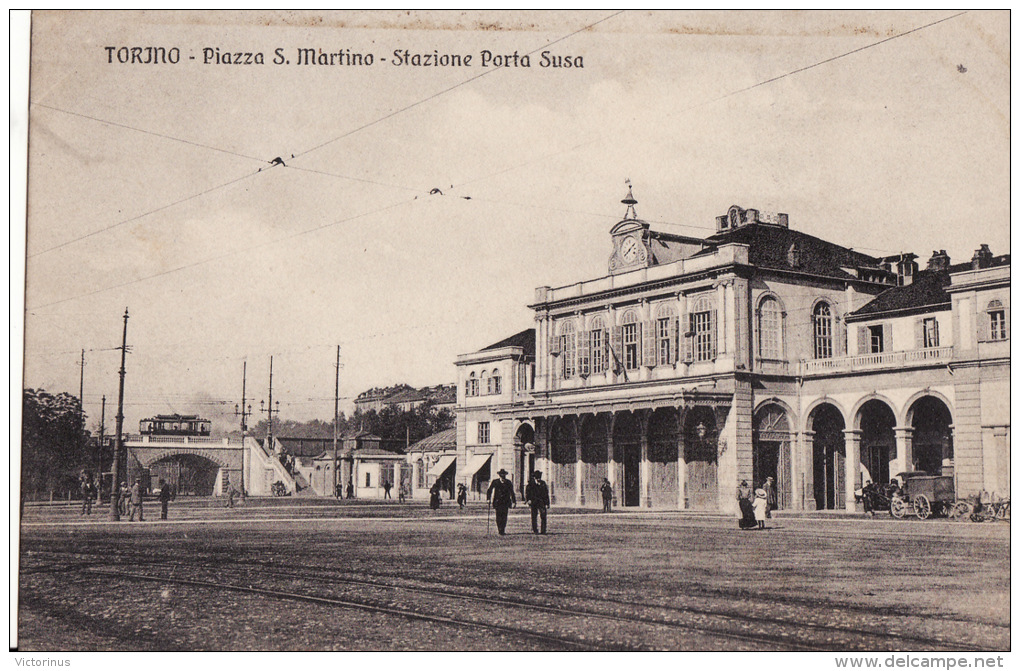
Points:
[[632, 475], [702, 474]]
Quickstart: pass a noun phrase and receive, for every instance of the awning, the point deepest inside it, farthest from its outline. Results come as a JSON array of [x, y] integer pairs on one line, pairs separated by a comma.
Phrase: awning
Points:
[[476, 463], [444, 463]]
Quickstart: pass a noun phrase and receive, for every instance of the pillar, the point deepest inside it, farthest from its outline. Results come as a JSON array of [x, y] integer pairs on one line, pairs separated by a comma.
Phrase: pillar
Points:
[[721, 335], [610, 464], [852, 441], [646, 492], [806, 442], [904, 460], [681, 468], [579, 464]]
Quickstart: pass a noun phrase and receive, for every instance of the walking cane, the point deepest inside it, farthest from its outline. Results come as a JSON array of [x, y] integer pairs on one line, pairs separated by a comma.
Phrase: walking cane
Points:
[[488, 509]]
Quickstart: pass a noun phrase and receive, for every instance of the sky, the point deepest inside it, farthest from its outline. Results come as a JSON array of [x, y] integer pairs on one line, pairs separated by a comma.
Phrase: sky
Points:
[[424, 205]]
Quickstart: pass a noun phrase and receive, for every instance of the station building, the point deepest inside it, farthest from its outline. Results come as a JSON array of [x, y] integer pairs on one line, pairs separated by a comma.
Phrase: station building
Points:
[[758, 351]]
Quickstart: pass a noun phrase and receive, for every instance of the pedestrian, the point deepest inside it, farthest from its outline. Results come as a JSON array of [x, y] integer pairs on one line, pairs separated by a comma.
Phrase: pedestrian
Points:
[[536, 495], [165, 494], [761, 507], [501, 497], [607, 496], [745, 495], [434, 500], [387, 486], [338, 491], [402, 492], [461, 495], [136, 501], [350, 489], [770, 495], [87, 494], [868, 497], [124, 499], [231, 493]]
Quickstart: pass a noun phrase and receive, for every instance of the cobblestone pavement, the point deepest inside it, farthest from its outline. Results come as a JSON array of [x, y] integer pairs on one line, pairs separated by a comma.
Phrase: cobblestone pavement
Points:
[[314, 575]]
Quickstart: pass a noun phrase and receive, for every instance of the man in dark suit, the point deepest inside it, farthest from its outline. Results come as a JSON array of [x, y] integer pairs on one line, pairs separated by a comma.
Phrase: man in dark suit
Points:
[[501, 498], [536, 495]]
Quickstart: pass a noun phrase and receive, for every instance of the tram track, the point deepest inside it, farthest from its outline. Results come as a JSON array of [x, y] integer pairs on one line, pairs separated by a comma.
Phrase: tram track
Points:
[[791, 637]]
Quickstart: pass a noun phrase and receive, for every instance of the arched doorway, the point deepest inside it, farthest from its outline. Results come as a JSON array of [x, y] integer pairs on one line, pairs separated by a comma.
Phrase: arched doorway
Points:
[[663, 451], [828, 457], [594, 455], [627, 457], [878, 440], [770, 456], [188, 474], [701, 452], [524, 447], [932, 439], [563, 454]]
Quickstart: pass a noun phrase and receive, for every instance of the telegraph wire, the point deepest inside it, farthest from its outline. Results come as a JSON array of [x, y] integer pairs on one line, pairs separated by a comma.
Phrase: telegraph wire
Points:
[[144, 214], [447, 90], [354, 179], [147, 132]]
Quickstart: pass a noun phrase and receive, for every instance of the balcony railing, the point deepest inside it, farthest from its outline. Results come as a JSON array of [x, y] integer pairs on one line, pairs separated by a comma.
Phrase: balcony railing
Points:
[[178, 440], [878, 360]]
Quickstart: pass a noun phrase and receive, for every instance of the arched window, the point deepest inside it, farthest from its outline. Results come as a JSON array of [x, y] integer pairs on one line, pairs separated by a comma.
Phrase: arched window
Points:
[[770, 329], [472, 386], [665, 335], [702, 329], [568, 350], [997, 329], [421, 474], [597, 341], [822, 318], [483, 383], [631, 340], [495, 382]]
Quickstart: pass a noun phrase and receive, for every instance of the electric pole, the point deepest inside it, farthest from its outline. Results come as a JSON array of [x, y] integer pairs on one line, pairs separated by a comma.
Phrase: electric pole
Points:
[[102, 436], [336, 424], [118, 444], [80, 433], [243, 412], [269, 410]]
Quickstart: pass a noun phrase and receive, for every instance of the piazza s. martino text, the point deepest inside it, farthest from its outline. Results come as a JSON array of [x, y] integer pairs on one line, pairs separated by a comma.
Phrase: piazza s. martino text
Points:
[[342, 58]]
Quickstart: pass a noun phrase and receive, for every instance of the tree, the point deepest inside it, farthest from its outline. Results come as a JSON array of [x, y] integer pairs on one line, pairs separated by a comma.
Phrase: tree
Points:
[[55, 446]]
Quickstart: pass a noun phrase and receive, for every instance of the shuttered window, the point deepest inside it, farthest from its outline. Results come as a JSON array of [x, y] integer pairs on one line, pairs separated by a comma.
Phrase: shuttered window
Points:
[[568, 351], [597, 355], [664, 340], [822, 318], [769, 330], [631, 346]]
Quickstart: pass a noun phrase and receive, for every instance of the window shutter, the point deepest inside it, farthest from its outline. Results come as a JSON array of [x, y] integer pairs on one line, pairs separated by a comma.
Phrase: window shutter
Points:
[[640, 342], [554, 345], [651, 344], [604, 343], [863, 346], [615, 355], [936, 342], [919, 334], [583, 347], [688, 338], [887, 337], [840, 332], [674, 339], [1005, 323], [714, 334]]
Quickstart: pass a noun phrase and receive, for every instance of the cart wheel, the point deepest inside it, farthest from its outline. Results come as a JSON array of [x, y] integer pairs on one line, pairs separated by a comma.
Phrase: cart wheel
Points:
[[897, 508], [960, 511], [922, 507]]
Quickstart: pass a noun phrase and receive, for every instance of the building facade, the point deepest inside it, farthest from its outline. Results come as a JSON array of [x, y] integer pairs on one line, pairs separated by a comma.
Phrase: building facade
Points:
[[756, 352]]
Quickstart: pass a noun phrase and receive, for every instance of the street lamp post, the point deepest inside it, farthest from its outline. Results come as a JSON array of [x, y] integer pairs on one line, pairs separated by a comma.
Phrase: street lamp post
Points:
[[118, 445], [244, 412]]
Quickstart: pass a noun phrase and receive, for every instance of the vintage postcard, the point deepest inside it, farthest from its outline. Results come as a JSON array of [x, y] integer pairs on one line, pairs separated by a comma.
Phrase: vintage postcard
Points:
[[498, 331]]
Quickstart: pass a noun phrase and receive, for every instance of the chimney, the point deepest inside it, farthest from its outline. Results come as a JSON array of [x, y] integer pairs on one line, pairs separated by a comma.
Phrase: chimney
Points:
[[982, 258], [939, 260]]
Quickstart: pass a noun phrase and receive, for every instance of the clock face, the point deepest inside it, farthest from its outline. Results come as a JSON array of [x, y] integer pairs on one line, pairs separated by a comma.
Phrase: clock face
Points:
[[629, 249]]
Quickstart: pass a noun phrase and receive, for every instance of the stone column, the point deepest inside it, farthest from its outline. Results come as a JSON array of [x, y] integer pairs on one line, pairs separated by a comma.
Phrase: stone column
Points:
[[646, 492], [796, 486], [904, 460], [681, 468], [579, 464], [728, 308], [852, 441], [806, 440], [721, 330]]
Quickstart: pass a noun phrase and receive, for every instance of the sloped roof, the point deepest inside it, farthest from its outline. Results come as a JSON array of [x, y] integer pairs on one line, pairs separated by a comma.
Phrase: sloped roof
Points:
[[407, 396], [928, 290], [305, 447], [437, 442], [525, 340], [770, 247]]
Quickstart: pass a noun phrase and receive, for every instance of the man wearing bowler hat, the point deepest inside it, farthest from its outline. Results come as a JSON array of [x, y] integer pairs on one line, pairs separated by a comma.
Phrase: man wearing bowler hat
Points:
[[536, 495], [501, 498]]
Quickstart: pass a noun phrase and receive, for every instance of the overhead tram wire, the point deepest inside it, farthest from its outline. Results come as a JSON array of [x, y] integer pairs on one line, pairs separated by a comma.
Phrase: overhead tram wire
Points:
[[145, 214], [293, 156], [451, 88], [147, 132]]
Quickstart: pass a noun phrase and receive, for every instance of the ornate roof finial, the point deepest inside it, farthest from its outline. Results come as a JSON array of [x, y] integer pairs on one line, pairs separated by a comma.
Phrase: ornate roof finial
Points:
[[630, 202]]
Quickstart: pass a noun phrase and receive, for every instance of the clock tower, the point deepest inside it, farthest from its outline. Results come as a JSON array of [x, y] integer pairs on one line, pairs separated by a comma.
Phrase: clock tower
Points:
[[630, 240]]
